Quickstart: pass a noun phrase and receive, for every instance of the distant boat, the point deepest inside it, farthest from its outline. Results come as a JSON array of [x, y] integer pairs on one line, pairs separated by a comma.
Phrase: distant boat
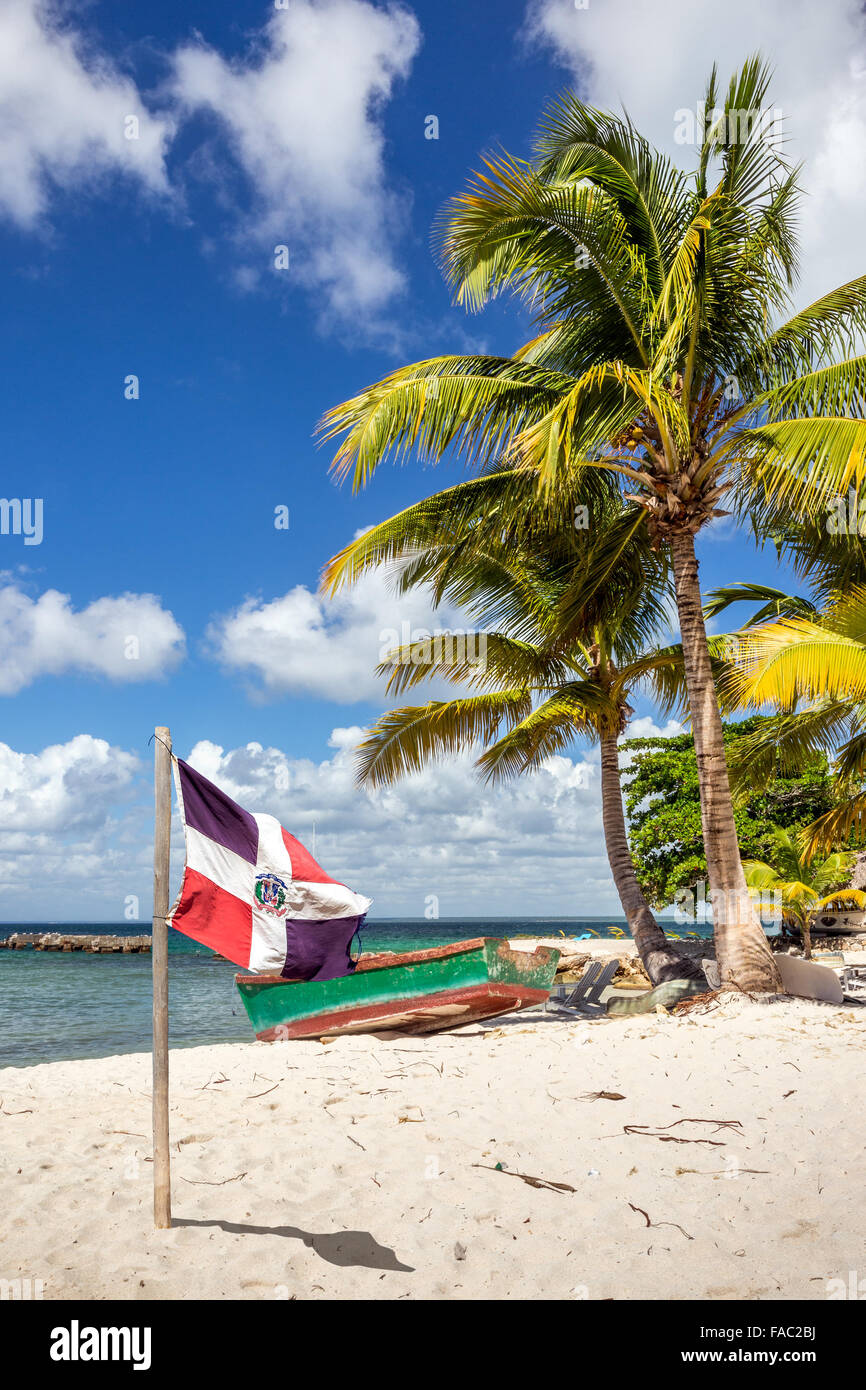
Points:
[[404, 992], [848, 922]]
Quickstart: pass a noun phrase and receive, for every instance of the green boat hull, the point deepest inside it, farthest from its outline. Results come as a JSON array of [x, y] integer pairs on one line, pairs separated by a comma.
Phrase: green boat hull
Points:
[[411, 992]]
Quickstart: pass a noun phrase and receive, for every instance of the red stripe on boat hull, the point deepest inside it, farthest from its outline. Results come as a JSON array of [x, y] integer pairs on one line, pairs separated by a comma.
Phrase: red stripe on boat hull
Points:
[[469, 1003]]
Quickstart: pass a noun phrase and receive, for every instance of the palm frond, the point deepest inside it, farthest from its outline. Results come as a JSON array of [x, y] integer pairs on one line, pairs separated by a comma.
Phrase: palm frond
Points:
[[793, 659], [404, 740], [832, 323], [577, 142], [801, 463], [580, 707], [784, 743], [775, 603], [843, 897], [843, 823], [473, 405], [475, 659]]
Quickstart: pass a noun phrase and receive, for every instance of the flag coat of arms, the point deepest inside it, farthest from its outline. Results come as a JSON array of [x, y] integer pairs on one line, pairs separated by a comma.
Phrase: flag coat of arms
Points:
[[254, 894]]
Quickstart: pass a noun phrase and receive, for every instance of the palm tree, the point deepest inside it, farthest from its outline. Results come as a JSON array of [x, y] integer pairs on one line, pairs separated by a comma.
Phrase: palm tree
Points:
[[549, 674], [810, 665], [665, 353], [804, 881]]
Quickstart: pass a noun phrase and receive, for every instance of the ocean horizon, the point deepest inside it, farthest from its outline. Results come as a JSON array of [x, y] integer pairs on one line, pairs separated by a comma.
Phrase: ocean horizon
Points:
[[57, 1006]]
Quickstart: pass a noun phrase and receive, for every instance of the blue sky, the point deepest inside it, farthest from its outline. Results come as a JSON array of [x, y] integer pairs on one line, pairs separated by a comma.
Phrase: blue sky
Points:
[[301, 126]]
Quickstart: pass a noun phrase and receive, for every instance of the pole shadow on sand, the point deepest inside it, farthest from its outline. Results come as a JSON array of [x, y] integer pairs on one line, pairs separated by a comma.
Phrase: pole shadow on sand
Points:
[[343, 1248]]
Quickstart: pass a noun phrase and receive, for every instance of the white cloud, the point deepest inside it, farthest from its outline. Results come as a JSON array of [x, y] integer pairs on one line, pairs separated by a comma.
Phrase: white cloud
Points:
[[128, 638], [533, 846], [302, 643], [646, 727], [65, 786], [70, 843], [302, 114], [64, 114], [76, 824], [654, 60]]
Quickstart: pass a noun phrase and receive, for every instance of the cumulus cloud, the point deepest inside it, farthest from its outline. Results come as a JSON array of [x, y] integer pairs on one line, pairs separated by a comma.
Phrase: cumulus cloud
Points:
[[533, 846], [127, 638], [72, 842], [76, 821], [303, 116], [654, 60], [65, 786], [303, 643], [646, 727], [300, 116], [67, 116]]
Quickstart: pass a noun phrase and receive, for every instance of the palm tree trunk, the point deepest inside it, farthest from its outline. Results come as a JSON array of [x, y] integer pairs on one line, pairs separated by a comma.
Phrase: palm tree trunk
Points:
[[660, 960], [744, 958]]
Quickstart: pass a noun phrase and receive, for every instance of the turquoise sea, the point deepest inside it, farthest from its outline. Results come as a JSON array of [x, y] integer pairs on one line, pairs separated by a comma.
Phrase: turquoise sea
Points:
[[55, 1006]]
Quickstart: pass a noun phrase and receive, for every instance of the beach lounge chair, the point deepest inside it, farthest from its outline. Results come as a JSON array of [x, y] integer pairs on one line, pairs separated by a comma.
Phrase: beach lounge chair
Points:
[[584, 997]]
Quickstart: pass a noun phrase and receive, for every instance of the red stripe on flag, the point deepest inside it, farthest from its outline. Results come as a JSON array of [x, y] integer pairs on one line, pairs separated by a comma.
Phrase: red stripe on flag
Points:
[[304, 865], [215, 918]]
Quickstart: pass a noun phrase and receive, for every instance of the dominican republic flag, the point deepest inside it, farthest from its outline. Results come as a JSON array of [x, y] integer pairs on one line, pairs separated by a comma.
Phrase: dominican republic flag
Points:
[[252, 892]]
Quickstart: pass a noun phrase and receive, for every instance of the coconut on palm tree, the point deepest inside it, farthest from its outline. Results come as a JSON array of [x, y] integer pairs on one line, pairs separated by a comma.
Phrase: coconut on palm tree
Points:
[[805, 881], [665, 353]]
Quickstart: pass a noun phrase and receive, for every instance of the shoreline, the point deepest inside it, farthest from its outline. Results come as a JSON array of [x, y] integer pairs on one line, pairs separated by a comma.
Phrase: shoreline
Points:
[[363, 1168], [113, 1018]]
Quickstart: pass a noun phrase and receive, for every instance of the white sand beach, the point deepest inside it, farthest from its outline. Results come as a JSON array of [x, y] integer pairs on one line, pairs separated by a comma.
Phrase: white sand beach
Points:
[[732, 1167]]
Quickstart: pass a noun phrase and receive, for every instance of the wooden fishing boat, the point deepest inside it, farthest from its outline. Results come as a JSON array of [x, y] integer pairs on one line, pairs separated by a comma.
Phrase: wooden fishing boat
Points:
[[404, 992]]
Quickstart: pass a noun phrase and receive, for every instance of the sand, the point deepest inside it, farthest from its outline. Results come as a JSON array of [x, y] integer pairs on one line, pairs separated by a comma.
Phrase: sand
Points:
[[366, 1169]]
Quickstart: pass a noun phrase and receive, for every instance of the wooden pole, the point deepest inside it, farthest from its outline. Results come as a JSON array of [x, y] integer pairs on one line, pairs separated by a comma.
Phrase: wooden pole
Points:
[[161, 852]]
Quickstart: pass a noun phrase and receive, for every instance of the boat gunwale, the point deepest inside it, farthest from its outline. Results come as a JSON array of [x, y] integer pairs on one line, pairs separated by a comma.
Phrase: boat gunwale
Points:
[[386, 960]]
